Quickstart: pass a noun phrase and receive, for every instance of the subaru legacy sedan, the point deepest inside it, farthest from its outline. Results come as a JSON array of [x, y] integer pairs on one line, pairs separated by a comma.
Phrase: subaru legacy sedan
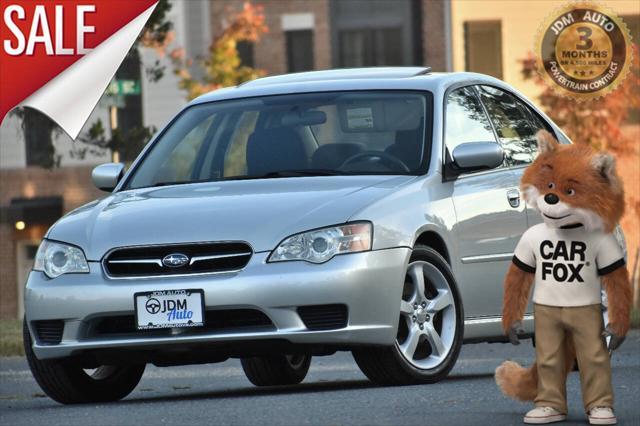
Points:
[[366, 210]]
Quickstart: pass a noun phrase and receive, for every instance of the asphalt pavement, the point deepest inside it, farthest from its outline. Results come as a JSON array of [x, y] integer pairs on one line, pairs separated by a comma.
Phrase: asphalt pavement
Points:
[[335, 392]]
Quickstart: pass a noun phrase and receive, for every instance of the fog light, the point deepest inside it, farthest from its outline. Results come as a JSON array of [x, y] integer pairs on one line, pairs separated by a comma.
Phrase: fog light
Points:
[[20, 225]]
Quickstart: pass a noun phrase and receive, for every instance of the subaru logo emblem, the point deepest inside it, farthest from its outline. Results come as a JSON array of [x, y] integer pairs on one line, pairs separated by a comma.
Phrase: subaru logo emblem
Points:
[[175, 260]]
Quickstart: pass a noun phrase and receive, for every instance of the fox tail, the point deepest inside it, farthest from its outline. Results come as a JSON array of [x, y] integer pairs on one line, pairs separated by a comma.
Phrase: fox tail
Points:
[[517, 382]]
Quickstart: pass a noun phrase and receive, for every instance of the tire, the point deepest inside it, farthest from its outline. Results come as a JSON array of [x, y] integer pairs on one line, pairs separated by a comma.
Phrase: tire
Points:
[[391, 365], [276, 370], [67, 383]]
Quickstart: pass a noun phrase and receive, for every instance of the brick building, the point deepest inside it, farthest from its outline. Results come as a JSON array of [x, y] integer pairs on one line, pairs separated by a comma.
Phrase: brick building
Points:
[[321, 34]]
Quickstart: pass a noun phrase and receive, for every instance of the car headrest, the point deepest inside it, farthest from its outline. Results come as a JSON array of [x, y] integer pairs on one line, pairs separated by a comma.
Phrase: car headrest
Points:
[[407, 147], [271, 150]]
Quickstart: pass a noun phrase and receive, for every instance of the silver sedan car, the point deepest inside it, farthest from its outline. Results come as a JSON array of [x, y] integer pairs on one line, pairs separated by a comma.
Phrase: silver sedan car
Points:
[[365, 210]]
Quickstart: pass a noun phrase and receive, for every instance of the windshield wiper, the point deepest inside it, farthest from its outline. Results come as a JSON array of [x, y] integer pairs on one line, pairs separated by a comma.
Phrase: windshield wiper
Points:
[[289, 173], [270, 175], [301, 172], [182, 182]]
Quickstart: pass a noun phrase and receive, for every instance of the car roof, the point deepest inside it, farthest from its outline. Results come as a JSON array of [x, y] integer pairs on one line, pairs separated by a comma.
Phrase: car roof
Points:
[[374, 78], [341, 74]]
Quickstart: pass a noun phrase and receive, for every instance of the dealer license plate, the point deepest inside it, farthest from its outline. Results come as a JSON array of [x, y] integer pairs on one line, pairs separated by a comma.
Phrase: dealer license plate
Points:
[[169, 309]]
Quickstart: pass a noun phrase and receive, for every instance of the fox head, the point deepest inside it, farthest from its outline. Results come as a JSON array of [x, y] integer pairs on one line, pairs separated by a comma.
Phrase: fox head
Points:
[[571, 184]]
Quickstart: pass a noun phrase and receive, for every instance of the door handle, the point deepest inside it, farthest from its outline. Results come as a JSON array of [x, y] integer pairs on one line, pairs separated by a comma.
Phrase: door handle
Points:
[[513, 195]]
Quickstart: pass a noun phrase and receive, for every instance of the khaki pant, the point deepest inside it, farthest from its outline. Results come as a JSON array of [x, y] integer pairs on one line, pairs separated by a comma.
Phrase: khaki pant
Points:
[[584, 325]]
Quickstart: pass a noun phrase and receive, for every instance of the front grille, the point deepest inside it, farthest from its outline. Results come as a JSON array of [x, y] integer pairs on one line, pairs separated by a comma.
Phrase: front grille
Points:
[[228, 320], [200, 258], [324, 317], [49, 332]]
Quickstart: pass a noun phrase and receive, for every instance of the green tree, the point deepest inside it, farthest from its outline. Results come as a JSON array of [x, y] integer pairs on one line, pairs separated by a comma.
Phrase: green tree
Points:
[[223, 66]]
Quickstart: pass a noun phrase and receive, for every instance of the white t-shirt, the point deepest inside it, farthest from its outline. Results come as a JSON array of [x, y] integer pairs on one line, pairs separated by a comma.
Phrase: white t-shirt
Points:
[[568, 263]]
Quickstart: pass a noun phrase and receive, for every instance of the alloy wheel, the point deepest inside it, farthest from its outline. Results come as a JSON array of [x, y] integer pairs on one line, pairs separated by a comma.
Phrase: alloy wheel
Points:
[[427, 326]]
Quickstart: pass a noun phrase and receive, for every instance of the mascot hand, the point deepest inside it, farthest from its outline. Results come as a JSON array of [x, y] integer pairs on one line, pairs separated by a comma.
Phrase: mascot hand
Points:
[[616, 340], [514, 330]]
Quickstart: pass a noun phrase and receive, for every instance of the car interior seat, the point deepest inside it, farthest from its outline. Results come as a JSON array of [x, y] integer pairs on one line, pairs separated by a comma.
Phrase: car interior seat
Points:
[[276, 149], [407, 147]]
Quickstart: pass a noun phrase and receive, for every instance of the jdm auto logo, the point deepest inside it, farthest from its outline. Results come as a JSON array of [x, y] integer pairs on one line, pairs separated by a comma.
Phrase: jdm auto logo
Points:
[[152, 306], [175, 260], [584, 50]]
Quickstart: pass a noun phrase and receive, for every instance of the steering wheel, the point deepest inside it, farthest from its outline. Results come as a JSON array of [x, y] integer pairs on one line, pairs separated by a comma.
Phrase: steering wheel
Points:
[[378, 156]]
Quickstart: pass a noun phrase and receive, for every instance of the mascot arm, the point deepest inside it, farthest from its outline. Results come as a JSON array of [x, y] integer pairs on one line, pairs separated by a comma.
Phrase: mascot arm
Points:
[[517, 286], [618, 288]]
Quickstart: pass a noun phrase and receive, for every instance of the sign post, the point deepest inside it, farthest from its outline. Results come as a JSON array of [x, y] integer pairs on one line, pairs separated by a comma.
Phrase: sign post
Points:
[[116, 92]]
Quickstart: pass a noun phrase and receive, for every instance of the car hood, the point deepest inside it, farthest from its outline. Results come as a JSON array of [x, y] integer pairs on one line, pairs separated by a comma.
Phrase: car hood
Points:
[[261, 212]]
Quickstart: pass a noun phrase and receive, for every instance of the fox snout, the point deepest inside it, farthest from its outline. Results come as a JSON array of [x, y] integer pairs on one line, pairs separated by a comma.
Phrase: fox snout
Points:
[[551, 198]]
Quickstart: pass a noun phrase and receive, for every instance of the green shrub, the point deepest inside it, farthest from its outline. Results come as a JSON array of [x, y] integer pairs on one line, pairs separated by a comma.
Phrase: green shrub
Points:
[[11, 338]]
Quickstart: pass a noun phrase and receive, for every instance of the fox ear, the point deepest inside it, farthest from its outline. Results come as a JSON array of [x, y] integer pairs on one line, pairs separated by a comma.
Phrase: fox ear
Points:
[[546, 142], [605, 165]]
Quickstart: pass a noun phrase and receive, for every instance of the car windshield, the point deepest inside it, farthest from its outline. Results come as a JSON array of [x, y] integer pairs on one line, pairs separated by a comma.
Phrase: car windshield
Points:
[[318, 134]]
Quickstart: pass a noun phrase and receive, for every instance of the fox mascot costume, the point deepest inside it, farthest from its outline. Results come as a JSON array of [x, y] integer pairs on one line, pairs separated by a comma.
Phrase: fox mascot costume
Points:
[[568, 257]]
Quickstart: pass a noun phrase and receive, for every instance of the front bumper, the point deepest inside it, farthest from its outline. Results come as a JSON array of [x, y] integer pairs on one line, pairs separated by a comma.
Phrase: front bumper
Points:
[[368, 283]]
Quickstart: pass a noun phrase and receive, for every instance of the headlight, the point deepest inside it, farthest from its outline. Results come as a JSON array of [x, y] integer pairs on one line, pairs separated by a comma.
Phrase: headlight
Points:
[[320, 245], [55, 259]]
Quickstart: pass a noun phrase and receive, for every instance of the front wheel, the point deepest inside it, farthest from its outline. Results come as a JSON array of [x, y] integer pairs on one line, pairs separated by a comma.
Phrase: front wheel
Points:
[[68, 383], [276, 370], [430, 327]]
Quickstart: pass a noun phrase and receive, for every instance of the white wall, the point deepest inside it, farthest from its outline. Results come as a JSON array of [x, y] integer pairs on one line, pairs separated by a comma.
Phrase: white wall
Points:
[[161, 100], [12, 152]]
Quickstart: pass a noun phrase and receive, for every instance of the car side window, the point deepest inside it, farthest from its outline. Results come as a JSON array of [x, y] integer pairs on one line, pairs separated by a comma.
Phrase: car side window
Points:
[[514, 125], [465, 120], [540, 123]]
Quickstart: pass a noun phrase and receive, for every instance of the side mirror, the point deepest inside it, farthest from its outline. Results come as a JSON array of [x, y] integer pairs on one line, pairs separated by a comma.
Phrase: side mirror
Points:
[[477, 156], [107, 176]]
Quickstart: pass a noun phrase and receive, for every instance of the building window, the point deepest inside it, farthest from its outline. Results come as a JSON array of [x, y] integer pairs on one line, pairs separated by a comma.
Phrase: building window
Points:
[[376, 33], [370, 47], [39, 131], [483, 47], [633, 23], [299, 50], [245, 52]]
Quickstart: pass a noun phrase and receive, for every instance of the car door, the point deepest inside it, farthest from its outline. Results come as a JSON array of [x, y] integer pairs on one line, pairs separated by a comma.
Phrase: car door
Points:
[[516, 126], [490, 217]]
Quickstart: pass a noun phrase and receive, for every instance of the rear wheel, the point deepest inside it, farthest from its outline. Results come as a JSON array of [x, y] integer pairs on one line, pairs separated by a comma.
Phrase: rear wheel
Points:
[[277, 369], [430, 327], [67, 383]]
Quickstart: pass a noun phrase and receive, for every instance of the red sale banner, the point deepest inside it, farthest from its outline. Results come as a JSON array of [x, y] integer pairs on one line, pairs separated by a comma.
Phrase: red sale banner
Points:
[[58, 56]]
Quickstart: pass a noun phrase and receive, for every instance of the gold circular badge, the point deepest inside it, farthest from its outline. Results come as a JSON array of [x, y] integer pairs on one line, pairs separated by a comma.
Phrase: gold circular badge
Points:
[[584, 50]]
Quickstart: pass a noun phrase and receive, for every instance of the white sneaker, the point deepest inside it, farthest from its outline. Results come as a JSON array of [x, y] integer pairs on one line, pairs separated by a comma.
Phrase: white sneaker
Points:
[[602, 416], [544, 415]]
